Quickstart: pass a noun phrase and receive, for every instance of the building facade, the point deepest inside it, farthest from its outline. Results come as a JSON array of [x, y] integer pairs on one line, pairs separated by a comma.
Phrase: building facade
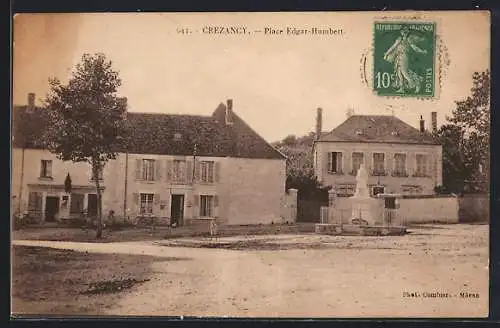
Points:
[[399, 158], [175, 167]]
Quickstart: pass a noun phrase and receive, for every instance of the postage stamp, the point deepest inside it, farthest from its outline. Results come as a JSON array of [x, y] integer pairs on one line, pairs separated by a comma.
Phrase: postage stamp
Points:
[[404, 59]]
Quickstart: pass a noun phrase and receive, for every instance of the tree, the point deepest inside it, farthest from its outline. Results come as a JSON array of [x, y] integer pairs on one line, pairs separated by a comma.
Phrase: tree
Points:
[[67, 184], [466, 140], [87, 118]]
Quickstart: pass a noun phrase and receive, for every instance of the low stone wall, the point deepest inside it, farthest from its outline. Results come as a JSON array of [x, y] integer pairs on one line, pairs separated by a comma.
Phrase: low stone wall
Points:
[[429, 209], [412, 209]]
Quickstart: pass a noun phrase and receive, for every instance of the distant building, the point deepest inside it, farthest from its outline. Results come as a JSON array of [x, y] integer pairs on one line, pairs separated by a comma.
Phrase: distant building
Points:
[[398, 157], [181, 167]]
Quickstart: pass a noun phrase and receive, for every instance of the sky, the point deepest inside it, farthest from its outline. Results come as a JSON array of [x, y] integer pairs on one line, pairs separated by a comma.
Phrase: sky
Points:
[[276, 81]]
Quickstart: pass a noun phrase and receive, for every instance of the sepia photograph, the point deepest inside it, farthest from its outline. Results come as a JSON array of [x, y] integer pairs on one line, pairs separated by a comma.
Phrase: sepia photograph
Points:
[[251, 165]]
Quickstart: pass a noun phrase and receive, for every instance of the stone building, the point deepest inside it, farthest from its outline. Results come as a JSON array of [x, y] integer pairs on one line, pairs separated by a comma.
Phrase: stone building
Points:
[[399, 158], [180, 167]]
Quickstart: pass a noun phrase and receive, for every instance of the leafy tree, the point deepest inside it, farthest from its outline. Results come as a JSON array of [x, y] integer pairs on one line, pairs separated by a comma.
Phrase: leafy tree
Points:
[[87, 118], [466, 140]]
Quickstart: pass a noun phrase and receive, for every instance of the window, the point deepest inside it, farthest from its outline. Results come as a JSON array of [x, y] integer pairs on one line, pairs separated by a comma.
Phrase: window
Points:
[[148, 169], [422, 166], [46, 169], [345, 189], [357, 161], [335, 162], [179, 171], [378, 164], [206, 206], [76, 203], [207, 171], [399, 165], [35, 200], [146, 204], [378, 190]]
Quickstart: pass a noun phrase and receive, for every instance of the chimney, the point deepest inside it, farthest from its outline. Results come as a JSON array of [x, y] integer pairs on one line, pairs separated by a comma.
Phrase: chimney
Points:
[[434, 122], [422, 124], [229, 111], [319, 122], [31, 100]]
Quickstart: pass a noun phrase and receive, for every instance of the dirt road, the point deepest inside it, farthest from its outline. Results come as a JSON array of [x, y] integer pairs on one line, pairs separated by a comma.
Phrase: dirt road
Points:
[[421, 274]]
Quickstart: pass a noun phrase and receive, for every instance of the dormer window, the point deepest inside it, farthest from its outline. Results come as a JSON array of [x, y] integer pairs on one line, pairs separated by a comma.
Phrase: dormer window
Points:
[[177, 136], [359, 132], [394, 133]]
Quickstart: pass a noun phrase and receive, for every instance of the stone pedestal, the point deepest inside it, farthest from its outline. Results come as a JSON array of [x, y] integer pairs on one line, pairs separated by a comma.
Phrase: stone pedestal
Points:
[[362, 210]]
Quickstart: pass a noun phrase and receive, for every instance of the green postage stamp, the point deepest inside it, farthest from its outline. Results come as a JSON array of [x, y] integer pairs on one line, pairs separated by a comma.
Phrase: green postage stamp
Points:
[[404, 59]]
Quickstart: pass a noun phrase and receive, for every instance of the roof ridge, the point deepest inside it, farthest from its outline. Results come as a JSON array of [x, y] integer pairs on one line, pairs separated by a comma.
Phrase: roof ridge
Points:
[[170, 114]]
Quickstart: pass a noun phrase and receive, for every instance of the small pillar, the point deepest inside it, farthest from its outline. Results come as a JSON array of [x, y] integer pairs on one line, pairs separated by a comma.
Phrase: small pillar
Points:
[[331, 197], [293, 193]]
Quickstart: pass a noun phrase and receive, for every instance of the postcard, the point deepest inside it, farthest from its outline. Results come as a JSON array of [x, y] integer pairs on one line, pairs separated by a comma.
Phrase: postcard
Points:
[[276, 165]]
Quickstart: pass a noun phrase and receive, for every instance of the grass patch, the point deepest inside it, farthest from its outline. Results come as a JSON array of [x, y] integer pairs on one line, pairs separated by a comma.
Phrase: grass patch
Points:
[[65, 282]]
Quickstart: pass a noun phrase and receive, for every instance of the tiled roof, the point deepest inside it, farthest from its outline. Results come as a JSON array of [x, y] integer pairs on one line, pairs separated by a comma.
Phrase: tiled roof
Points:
[[377, 129], [151, 133]]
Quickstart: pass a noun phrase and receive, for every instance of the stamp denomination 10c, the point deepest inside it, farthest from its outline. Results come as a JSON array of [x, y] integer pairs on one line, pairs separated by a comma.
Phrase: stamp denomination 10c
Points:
[[404, 59]]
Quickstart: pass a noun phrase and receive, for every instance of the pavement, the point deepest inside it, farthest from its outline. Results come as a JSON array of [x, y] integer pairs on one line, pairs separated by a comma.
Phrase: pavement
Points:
[[350, 277]]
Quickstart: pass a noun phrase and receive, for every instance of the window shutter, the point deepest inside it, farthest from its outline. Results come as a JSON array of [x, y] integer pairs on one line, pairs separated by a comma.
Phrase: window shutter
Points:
[[158, 166], [216, 206], [169, 168], [217, 171], [189, 171], [49, 168], [39, 201], [327, 162], [32, 201], [339, 163], [197, 170], [41, 168], [138, 167]]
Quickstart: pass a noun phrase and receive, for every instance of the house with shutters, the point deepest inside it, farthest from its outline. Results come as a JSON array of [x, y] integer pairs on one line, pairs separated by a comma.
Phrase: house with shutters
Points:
[[175, 167], [399, 158]]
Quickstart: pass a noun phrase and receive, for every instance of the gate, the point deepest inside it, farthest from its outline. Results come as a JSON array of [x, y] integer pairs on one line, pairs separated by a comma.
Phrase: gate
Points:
[[309, 210]]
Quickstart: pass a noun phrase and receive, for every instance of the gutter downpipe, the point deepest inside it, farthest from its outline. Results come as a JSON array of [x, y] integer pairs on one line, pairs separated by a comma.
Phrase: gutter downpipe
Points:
[[125, 192], [21, 184]]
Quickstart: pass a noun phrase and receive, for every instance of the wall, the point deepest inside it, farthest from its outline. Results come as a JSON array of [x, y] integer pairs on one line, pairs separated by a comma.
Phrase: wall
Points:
[[429, 209], [412, 209], [255, 188], [289, 206], [163, 188], [392, 184], [474, 208], [80, 174]]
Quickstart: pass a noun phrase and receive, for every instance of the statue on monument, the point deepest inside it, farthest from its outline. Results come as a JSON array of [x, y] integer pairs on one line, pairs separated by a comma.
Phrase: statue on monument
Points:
[[362, 183]]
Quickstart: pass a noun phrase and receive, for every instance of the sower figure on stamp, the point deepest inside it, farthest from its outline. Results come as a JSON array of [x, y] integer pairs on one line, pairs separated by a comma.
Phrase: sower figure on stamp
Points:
[[398, 54]]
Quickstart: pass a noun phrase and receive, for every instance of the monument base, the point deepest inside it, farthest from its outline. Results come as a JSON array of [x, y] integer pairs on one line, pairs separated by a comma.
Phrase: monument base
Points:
[[362, 210]]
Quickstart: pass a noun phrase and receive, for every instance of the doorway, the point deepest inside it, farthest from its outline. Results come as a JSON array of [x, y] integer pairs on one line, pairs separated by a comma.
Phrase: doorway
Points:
[[51, 208], [177, 210], [92, 205]]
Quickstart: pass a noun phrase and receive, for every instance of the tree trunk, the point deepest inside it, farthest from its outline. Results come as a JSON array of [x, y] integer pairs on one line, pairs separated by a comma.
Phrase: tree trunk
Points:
[[96, 167]]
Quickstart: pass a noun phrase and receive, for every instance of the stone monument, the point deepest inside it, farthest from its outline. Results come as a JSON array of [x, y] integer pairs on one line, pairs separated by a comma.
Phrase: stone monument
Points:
[[363, 205]]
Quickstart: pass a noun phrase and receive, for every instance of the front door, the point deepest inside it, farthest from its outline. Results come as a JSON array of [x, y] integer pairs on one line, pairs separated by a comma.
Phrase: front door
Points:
[[177, 209], [92, 205], [51, 208]]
